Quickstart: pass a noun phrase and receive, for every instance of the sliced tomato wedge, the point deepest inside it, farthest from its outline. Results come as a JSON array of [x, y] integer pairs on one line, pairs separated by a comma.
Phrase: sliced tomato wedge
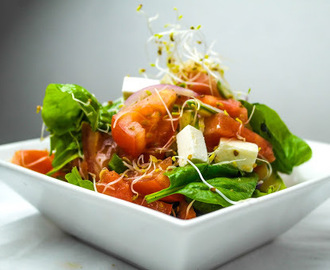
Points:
[[143, 124], [111, 184], [98, 148], [222, 125], [155, 181], [185, 210], [233, 107], [202, 83], [36, 160], [160, 206]]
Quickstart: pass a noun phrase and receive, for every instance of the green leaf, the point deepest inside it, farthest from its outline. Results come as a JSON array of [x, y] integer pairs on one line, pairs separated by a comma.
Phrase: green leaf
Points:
[[116, 164], [257, 193], [236, 189], [181, 176], [68, 158], [65, 146], [107, 111], [65, 107], [204, 208], [74, 178], [289, 150]]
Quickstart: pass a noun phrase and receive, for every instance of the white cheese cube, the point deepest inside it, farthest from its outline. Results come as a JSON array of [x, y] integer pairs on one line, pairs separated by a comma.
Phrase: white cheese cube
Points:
[[134, 84], [243, 153], [191, 145]]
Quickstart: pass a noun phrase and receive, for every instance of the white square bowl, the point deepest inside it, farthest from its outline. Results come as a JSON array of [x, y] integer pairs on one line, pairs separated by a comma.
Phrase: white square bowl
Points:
[[153, 240]]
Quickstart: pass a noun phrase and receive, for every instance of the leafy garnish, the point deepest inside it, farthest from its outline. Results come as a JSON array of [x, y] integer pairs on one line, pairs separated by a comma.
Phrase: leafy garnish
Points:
[[74, 178], [289, 150], [236, 189], [182, 176], [65, 107], [116, 164]]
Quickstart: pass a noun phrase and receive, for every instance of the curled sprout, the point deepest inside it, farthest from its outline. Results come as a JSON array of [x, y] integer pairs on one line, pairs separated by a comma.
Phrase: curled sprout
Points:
[[182, 54], [269, 168]]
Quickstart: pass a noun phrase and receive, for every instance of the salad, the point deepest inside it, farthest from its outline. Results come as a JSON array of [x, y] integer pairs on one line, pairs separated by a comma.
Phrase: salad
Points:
[[185, 144]]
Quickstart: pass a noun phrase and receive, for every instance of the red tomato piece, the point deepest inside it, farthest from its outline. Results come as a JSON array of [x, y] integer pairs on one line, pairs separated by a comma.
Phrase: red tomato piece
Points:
[[142, 124], [98, 148], [233, 107], [156, 181], [36, 160], [185, 210], [160, 206], [109, 185], [222, 125], [202, 83]]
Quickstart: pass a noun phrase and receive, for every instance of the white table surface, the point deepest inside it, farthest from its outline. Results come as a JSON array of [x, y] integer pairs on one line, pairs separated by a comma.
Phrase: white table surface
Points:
[[29, 241]]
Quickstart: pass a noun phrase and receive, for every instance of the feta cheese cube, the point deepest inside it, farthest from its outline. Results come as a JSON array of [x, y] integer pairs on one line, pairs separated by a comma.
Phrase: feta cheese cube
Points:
[[134, 84], [243, 153], [191, 145]]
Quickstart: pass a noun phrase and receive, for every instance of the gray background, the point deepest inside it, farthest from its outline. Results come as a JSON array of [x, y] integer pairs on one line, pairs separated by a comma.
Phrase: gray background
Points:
[[279, 49]]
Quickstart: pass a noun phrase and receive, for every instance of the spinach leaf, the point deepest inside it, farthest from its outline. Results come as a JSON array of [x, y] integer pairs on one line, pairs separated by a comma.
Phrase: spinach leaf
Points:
[[181, 176], [116, 164], [204, 208], [220, 169], [65, 107], [289, 150], [236, 189], [74, 178], [107, 111], [257, 193]]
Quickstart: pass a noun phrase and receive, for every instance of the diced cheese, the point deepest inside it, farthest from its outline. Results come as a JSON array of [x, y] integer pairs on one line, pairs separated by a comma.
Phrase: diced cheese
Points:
[[191, 145], [134, 84], [243, 153]]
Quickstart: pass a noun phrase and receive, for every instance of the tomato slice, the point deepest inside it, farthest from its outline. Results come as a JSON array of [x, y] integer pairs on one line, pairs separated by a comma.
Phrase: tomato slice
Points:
[[36, 160], [160, 206], [202, 83], [142, 125], [154, 183], [222, 125], [233, 107], [98, 148], [111, 184], [185, 211]]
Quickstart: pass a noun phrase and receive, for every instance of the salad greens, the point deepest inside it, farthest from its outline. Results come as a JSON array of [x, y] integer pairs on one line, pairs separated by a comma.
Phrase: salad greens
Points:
[[116, 164], [65, 107], [182, 176], [224, 177], [289, 150], [74, 178], [236, 189]]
